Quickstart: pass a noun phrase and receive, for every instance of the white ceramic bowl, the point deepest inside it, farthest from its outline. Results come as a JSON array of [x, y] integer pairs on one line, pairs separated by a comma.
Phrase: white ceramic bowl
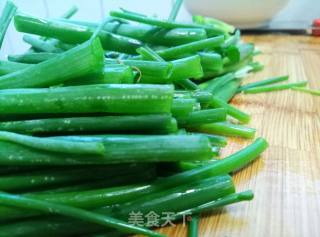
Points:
[[241, 13]]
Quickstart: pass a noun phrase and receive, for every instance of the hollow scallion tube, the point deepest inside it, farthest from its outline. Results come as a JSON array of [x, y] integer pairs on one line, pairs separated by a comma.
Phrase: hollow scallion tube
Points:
[[215, 84], [110, 98], [153, 123], [306, 90], [178, 199], [7, 67], [31, 57], [183, 107], [231, 110], [263, 82], [227, 200], [227, 165], [6, 16], [184, 68], [112, 74], [82, 60], [211, 63], [261, 89], [226, 129], [41, 45], [190, 48], [162, 70], [202, 117], [150, 34], [211, 30], [227, 91], [51, 178], [118, 149], [150, 54], [215, 140], [175, 10], [193, 226], [53, 145], [73, 34], [48, 208]]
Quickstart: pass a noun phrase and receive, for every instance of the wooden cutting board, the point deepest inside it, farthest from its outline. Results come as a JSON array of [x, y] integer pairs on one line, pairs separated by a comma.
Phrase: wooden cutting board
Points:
[[286, 179]]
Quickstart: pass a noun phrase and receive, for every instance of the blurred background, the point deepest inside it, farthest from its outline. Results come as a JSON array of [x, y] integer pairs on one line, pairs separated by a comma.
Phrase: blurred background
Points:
[[294, 12]]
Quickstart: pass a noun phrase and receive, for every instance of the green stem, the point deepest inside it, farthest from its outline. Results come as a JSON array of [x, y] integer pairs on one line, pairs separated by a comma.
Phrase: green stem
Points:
[[226, 129], [227, 200], [211, 30], [153, 123], [175, 10], [271, 88], [79, 61], [263, 82], [109, 98], [306, 90], [193, 226], [6, 16], [73, 34], [53, 208], [231, 110], [53, 145]]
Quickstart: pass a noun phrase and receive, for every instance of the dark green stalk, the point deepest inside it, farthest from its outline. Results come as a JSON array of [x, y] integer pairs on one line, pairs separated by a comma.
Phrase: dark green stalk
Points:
[[31, 57], [193, 226], [263, 82], [182, 107], [190, 48], [76, 213], [29, 181], [226, 129], [110, 98], [6, 16], [214, 85], [231, 110], [261, 89], [7, 67], [157, 123], [227, 92], [150, 34], [175, 10], [184, 68], [53, 145], [227, 165], [306, 90], [112, 74], [150, 54], [167, 200], [162, 70], [227, 200], [197, 118], [211, 30], [73, 34], [188, 85], [41, 45]]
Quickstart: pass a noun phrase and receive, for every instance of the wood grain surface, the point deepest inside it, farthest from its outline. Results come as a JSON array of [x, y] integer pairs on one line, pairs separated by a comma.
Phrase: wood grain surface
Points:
[[286, 179]]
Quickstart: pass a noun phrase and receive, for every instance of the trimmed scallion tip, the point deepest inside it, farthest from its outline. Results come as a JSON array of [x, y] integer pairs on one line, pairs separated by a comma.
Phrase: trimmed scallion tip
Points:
[[261, 89], [263, 82], [306, 90]]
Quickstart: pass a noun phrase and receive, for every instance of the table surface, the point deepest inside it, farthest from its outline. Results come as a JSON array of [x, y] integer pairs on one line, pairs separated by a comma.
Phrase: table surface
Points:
[[286, 179]]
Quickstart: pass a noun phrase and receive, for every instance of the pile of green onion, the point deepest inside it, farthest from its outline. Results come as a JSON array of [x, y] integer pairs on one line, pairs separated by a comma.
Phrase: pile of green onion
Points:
[[102, 120]]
